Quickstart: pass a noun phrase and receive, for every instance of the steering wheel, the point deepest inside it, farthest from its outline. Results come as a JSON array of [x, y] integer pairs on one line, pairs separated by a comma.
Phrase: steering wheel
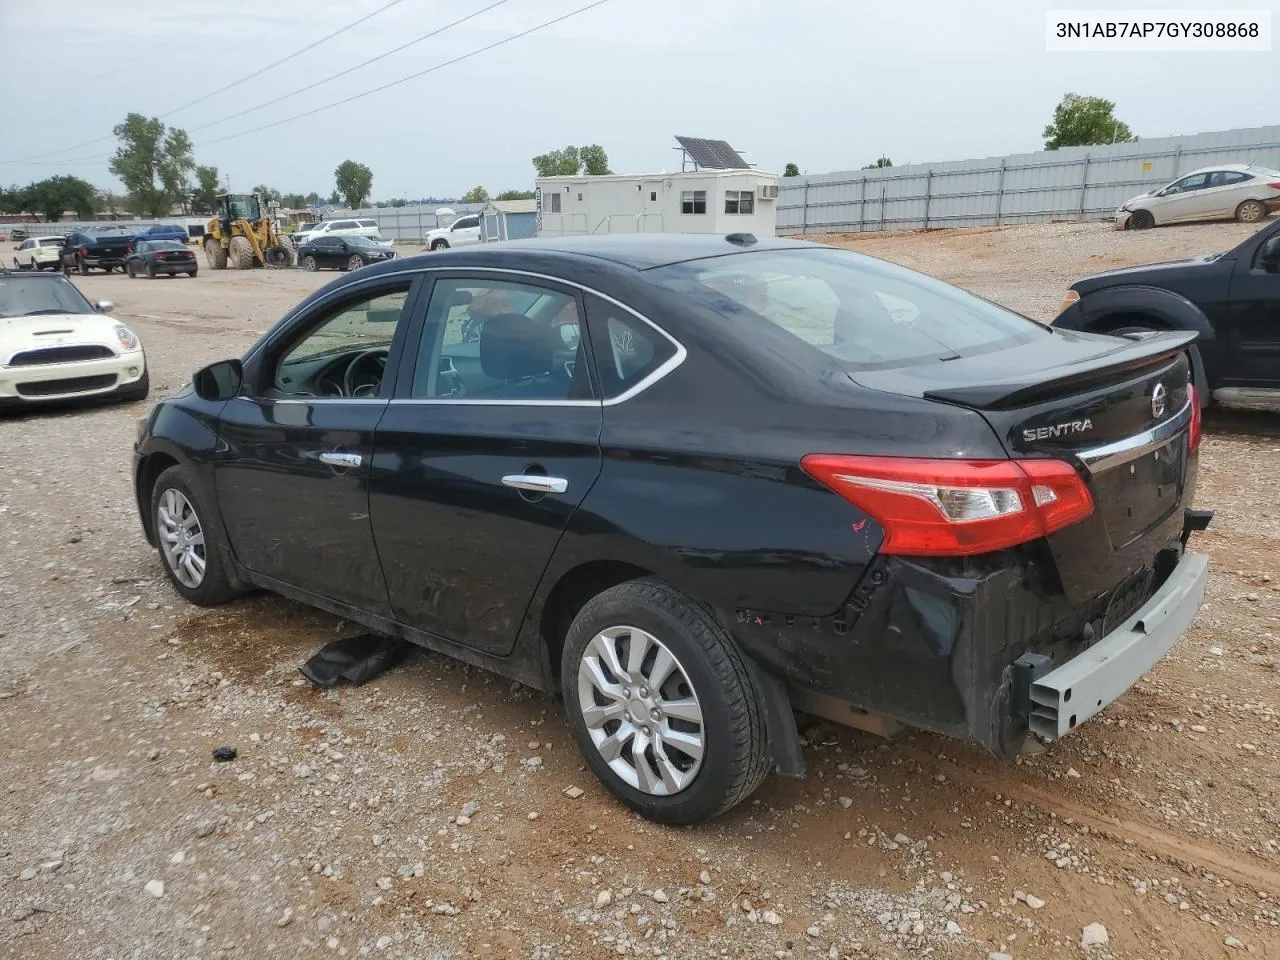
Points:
[[353, 388]]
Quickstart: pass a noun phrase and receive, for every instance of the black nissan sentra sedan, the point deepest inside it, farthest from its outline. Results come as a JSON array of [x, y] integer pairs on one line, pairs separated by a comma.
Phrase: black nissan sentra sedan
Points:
[[692, 483]]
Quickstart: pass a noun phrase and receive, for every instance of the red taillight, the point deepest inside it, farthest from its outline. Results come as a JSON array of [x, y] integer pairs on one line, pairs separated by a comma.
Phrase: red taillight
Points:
[[956, 507], [1196, 429], [84, 251], [128, 250], [1274, 186]]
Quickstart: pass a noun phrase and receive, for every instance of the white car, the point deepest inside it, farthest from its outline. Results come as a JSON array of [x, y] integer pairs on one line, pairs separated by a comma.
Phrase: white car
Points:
[[1233, 190], [463, 231], [337, 228], [55, 345], [36, 253]]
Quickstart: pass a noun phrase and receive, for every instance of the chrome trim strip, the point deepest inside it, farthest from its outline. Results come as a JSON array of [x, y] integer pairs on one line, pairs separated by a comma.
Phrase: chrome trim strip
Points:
[[1118, 452], [676, 359]]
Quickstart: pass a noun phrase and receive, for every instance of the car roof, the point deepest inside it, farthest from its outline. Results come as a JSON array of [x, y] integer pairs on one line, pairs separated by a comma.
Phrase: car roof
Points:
[[639, 251], [1239, 167]]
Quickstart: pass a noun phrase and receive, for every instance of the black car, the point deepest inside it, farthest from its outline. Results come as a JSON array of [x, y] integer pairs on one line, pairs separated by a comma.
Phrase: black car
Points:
[[1230, 300], [98, 248], [342, 253], [160, 258], [691, 483]]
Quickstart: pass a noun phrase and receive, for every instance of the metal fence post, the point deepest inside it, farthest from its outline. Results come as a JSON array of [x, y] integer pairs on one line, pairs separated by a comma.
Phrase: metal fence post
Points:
[[862, 205], [804, 209], [883, 190], [1084, 185], [928, 196], [1000, 193]]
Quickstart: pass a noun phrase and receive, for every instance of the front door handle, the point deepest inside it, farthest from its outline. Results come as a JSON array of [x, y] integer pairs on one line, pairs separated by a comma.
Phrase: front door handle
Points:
[[536, 483], [336, 459]]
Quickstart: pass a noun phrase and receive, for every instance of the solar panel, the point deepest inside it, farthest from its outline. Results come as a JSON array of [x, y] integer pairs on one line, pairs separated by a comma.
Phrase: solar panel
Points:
[[712, 154]]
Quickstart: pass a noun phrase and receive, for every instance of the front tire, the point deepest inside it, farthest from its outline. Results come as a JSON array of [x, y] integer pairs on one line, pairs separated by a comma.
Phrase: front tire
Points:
[[1141, 220], [1251, 211], [439, 244], [215, 254], [356, 262], [662, 705], [241, 253], [192, 551], [310, 264]]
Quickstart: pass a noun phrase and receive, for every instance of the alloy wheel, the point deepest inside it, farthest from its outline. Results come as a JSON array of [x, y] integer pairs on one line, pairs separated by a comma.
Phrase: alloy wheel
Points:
[[641, 710], [181, 538]]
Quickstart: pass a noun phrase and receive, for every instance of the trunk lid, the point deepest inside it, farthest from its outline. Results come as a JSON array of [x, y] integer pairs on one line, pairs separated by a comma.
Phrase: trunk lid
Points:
[[1115, 408]]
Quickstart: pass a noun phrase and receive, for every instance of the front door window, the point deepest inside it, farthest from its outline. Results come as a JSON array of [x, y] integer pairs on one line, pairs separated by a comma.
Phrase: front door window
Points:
[[345, 354]]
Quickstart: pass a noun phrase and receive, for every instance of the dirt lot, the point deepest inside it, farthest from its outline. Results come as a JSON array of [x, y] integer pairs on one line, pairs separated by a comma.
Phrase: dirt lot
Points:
[[339, 829]]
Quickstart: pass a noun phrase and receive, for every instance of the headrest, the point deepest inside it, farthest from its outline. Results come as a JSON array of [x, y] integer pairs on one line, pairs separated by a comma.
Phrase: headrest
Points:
[[513, 347]]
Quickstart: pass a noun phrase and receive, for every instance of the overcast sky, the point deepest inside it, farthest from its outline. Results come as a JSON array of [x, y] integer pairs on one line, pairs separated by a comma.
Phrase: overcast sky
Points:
[[827, 84]]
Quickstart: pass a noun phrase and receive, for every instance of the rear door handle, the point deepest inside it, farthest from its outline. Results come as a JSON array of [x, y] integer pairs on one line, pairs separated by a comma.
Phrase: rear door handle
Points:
[[536, 482], [336, 459]]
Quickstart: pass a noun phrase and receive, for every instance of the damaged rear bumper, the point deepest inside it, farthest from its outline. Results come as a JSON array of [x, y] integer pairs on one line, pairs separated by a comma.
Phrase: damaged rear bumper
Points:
[[1065, 697]]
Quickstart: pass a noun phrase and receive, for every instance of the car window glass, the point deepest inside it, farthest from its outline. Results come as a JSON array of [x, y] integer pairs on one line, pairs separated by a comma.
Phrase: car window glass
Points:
[[367, 223], [25, 245], [499, 340], [1197, 181], [626, 348], [51, 242], [318, 363], [466, 222]]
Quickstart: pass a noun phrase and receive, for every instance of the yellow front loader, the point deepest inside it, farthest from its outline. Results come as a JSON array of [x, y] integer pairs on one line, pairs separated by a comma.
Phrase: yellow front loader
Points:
[[244, 236]]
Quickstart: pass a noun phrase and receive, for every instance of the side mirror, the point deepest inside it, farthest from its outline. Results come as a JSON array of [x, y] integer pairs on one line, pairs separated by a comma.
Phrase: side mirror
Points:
[[219, 381], [1270, 253], [104, 306]]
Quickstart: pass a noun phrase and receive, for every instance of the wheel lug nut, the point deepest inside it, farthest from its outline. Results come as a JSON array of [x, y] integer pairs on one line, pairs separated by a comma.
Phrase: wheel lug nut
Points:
[[656, 714], [645, 730], [644, 691]]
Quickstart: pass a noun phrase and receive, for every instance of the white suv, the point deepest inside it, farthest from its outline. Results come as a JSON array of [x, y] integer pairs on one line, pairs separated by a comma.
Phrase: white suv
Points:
[[337, 228], [36, 253], [463, 231]]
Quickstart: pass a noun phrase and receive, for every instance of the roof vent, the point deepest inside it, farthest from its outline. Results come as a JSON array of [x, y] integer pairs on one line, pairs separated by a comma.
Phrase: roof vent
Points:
[[742, 239]]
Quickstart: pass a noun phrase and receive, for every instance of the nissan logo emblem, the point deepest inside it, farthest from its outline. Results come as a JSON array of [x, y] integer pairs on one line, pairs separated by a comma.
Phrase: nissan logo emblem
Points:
[[1159, 400]]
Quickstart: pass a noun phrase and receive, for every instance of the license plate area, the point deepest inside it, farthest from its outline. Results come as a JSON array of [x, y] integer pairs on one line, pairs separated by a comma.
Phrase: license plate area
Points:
[[1134, 496]]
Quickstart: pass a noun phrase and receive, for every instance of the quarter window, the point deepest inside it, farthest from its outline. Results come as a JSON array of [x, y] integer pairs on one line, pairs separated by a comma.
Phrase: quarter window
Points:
[[693, 201], [345, 353], [626, 348], [502, 341], [739, 201]]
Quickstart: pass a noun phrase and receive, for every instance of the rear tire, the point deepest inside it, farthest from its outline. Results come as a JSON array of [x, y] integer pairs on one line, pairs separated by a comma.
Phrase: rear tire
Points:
[[214, 584], [81, 267], [192, 273], [1251, 211], [241, 253], [1141, 220], [215, 254], [151, 272], [310, 264], [708, 679]]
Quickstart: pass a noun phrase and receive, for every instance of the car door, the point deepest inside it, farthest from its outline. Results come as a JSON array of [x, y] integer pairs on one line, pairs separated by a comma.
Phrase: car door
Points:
[[465, 230], [485, 452], [1255, 313], [1183, 199], [292, 474], [326, 251], [22, 256]]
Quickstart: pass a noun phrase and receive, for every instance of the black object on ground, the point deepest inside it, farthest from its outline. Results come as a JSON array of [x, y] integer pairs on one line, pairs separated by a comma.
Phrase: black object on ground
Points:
[[354, 659], [224, 754]]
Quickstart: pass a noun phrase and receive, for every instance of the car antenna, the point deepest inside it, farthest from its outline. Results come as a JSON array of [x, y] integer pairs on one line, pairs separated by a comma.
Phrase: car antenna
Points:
[[742, 239]]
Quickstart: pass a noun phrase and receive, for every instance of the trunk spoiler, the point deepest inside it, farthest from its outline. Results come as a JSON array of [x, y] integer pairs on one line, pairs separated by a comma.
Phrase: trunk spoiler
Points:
[[1027, 386]]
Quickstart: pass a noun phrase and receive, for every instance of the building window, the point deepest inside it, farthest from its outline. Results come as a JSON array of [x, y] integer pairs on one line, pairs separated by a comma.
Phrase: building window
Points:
[[739, 201], [555, 203], [653, 195], [579, 198], [693, 201]]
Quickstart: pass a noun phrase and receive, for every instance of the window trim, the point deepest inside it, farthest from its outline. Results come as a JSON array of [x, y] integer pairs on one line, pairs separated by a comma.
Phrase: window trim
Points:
[[693, 203], [406, 374]]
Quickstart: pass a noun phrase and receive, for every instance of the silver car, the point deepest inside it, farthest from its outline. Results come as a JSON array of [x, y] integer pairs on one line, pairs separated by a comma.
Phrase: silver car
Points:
[[1233, 190]]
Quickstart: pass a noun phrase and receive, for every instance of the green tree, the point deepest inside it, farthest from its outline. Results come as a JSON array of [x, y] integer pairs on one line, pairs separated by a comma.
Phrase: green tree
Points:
[[313, 198], [791, 171], [881, 163], [515, 195], [476, 195], [354, 182], [57, 194], [398, 202], [13, 199], [294, 201], [334, 199], [204, 198], [595, 162], [558, 163], [153, 162], [1080, 121], [267, 194]]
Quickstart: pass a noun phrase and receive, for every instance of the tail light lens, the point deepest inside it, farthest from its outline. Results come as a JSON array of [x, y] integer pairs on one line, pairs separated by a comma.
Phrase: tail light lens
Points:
[[1274, 186], [84, 251], [1196, 429], [128, 249], [956, 507]]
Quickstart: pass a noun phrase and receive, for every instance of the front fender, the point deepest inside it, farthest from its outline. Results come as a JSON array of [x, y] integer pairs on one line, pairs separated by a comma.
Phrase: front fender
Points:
[[1173, 310]]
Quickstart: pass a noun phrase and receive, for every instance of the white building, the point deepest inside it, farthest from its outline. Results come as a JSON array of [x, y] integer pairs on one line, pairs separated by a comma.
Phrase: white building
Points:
[[704, 201]]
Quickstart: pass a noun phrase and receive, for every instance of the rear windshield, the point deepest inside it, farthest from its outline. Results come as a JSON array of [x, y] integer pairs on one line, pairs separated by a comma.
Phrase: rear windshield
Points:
[[165, 245], [863, 312], [51, 242], [23, 297]]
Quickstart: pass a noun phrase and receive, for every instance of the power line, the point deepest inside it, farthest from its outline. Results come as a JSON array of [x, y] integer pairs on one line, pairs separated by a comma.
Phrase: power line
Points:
[[285, 59], [358, 66], [412, 76], [234, 83]]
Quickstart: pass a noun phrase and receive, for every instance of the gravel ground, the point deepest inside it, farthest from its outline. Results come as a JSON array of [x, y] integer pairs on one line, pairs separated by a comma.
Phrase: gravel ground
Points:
[[426, 815]]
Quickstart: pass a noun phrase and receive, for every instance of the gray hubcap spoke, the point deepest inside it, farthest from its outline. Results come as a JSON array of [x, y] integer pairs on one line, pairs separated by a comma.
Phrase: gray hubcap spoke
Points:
[[641, 710], [181, 538]]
